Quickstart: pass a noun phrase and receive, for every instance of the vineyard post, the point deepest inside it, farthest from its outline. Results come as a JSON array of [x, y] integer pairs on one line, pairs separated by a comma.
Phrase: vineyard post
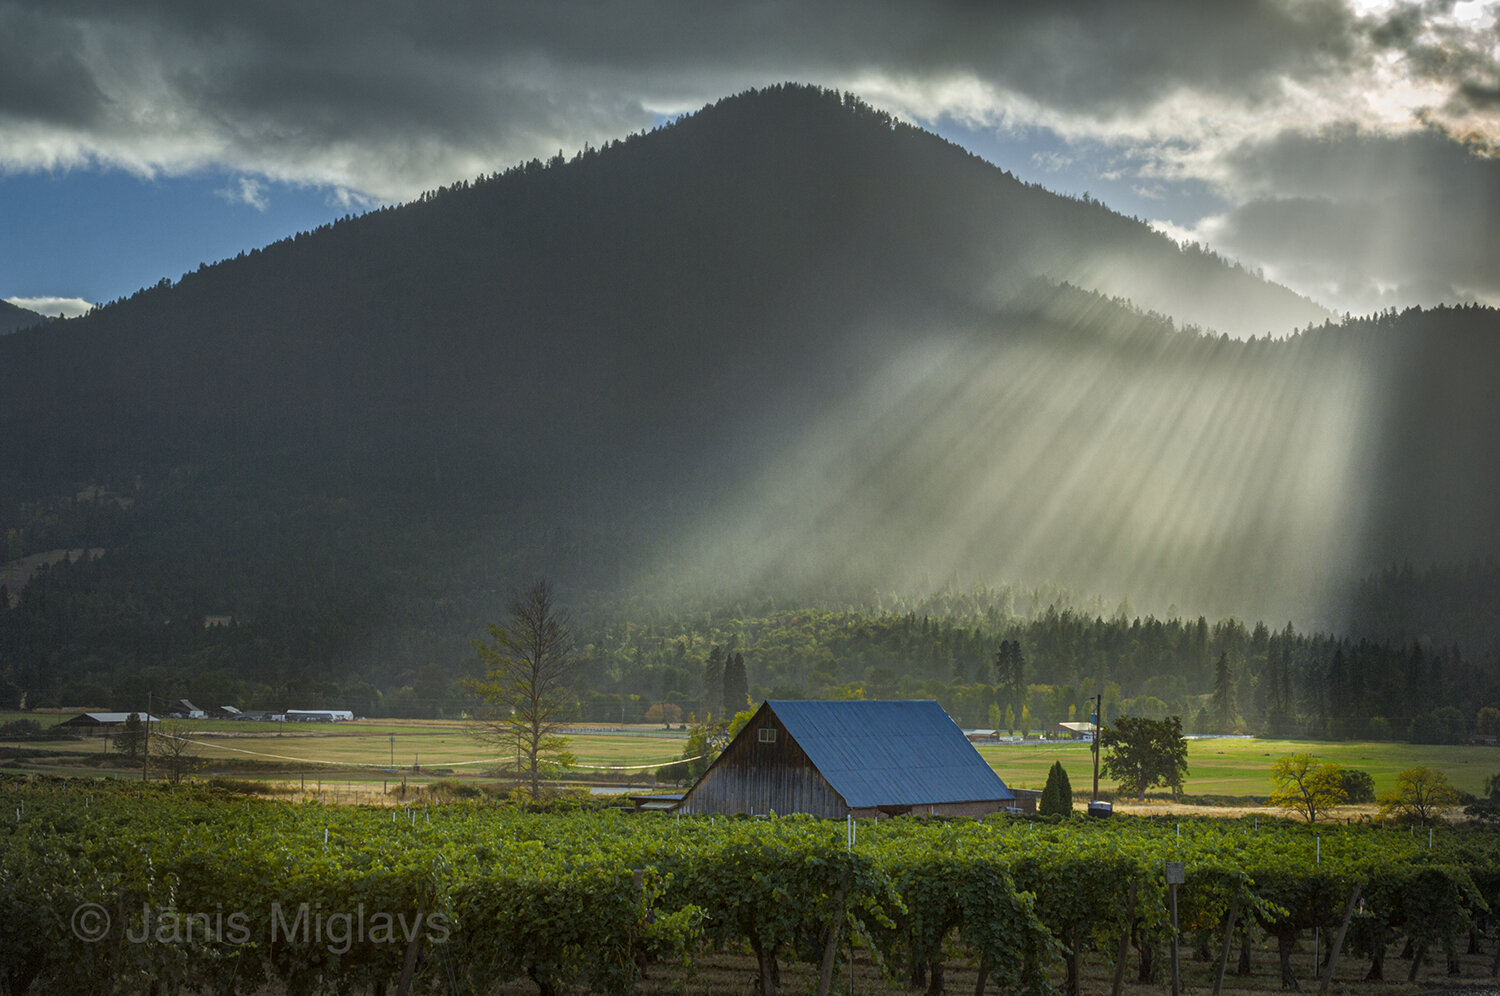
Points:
[[1123, 950], [1234, 909], [1175, 877], [1317, 934]]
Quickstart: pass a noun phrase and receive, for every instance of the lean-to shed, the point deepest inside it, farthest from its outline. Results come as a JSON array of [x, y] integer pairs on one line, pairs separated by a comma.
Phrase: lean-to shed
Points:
[[835, 759]]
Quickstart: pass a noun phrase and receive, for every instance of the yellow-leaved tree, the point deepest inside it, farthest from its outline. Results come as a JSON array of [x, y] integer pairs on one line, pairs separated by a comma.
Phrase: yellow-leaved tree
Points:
[[1306, 787]]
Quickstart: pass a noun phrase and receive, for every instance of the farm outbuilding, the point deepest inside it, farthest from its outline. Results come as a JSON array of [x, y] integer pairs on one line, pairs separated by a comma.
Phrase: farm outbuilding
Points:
[[837, 759], [92, 723]]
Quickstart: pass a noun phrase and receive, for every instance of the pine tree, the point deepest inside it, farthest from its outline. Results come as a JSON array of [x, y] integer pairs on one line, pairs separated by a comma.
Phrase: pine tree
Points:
[[1010, 676], [1057, 796], [713, 681], [1225, 709], [131, 739], [736, 684]]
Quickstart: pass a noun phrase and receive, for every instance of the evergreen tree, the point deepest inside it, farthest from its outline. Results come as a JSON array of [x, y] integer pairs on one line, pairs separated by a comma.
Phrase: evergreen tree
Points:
[[1225, 711], [1057, 796], [736, 684], [131, 739], [713, 681], [1010, 677]]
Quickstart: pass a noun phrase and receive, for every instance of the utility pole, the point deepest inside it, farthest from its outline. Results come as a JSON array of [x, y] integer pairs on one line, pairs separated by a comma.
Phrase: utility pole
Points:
[[146, 745], [1098, 708]]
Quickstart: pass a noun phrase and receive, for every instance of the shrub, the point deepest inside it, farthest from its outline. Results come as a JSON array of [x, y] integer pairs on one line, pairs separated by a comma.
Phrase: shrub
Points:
[[1057, 796]]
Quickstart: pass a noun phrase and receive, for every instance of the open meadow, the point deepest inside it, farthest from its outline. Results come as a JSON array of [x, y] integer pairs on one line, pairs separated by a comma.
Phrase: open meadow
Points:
[[352, 754], [1222, 771], [1240, 767]]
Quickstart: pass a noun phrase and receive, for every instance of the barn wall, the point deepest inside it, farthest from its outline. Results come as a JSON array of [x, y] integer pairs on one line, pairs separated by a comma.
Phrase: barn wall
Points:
[[755, 777]]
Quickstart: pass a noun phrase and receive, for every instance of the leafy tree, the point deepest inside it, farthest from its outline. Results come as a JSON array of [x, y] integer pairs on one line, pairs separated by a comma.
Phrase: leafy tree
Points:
[[1421, 795], [1358, 785], [1057, 796], [1143, 753], [525, 686], [739, 722], [705, 742], [1305, 787], [131, 739]]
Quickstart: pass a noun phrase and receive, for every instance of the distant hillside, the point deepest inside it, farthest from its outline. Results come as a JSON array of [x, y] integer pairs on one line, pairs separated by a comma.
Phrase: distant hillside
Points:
[[13, 317], [784, 346]]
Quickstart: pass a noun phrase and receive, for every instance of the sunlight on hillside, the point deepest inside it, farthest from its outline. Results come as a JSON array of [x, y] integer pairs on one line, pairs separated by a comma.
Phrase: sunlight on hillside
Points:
[[1221, 477]]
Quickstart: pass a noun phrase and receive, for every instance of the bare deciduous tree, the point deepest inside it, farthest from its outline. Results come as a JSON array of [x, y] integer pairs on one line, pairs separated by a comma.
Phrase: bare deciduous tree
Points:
[[526, 686], [172, 753]]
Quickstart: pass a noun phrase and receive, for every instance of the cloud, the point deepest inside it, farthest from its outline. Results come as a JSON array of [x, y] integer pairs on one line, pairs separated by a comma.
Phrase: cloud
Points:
[[245, 190], [1363, 221], [380, 103], [68, 307]]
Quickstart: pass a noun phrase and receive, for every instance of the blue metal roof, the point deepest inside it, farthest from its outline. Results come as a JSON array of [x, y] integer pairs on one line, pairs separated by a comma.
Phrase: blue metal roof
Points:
[[890, 753]]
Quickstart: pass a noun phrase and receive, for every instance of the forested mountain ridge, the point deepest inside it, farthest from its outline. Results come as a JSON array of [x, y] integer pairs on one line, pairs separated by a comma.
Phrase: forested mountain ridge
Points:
[[14, 317], [783, 347]]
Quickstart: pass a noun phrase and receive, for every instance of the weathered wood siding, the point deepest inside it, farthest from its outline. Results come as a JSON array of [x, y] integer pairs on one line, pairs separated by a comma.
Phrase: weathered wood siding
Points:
[[756, 777]]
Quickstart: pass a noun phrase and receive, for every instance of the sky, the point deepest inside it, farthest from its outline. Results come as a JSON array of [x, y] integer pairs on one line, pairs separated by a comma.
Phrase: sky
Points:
[[1348, 148]]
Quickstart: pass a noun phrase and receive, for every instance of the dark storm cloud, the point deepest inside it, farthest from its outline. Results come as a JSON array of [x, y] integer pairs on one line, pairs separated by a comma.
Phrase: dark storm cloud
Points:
[[386, 98], [1370, 218], [42, 76], [309, 87]]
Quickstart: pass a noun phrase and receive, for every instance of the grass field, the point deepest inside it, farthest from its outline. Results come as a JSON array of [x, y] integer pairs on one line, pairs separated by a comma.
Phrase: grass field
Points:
[[1229, 766], [362, 751]]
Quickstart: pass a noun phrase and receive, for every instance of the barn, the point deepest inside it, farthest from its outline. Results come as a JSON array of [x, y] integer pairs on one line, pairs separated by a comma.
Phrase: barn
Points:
[[93, 723], [849, 758]]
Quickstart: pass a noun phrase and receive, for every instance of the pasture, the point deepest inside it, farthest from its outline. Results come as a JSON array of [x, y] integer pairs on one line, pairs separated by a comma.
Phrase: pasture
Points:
[[1241, 767], [1227, 770]]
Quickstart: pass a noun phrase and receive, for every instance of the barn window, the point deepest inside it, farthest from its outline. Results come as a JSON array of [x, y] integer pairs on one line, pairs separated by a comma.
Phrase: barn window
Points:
[[767, 735]]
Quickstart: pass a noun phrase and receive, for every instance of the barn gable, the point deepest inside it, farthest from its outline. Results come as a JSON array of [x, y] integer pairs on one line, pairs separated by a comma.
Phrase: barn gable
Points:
[[764, 770], [833, 758]]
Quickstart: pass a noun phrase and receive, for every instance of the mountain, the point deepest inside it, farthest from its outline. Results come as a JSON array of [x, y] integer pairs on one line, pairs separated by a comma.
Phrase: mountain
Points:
[[14, 317], [784, 345]]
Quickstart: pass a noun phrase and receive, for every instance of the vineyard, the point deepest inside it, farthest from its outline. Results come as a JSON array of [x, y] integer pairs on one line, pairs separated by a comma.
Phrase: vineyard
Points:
[[198, 891]]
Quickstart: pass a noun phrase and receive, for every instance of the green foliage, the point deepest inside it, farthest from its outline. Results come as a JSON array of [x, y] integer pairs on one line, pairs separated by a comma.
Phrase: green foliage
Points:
[[498, 894], [704, 743], [1225, 710], [736, 683], [1057, 795], [131, 738], [1358, 786], [1143, 753], [738, 723]]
